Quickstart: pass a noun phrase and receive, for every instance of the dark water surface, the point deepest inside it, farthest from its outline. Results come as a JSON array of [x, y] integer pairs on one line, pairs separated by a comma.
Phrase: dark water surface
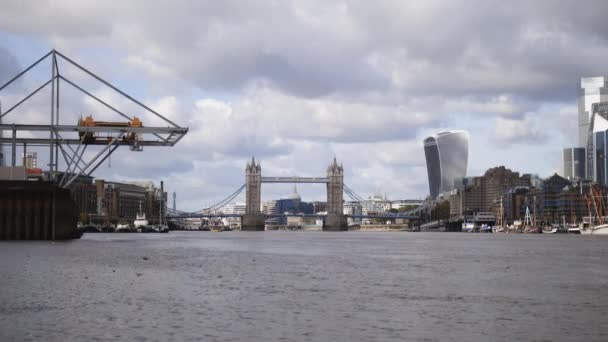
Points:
[[306, 286]]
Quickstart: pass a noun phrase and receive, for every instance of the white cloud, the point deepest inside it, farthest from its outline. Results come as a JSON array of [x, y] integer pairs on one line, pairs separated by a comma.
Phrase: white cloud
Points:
[[297, 82], [509, 131]]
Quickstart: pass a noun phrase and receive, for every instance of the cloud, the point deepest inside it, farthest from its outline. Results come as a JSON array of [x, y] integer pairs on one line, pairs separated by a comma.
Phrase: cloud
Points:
[[314, 48], [298, 82], [510, 131], [8, 65]]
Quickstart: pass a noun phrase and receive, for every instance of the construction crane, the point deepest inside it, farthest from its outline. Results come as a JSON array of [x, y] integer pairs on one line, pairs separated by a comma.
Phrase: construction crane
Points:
[[88, 137]]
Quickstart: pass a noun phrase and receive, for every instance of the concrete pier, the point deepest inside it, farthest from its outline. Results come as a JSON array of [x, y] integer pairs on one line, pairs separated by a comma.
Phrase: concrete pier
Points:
[[335, 223], [252, 223], [36, 211]]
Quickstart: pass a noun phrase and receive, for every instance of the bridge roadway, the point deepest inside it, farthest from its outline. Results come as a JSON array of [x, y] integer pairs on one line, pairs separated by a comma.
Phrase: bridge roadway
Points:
[[295, 179], [203, 215]]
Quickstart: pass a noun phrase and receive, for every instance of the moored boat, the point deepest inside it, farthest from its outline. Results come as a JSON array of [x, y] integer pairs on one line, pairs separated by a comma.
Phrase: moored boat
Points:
[[601, 229], [140, 219]]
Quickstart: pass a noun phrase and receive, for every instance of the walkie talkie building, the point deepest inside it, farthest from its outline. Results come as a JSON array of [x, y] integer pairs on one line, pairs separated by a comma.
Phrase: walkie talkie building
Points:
[[446, 160]]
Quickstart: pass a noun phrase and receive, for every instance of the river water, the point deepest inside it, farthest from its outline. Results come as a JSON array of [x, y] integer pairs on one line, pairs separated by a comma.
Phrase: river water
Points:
[[305, 286]]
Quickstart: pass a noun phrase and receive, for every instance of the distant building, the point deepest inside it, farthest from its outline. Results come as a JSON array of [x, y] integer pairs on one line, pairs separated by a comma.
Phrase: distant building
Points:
[[574, 163], [550, 198], [120, 202], [293, 205], [319, 207], [270, 208], [446, 160], [30, 160], [379, 204], [233, 209], [592, 90], [596, 145], [513, 204], [353, 208], [572, 205], [484, 193], [399, 204]]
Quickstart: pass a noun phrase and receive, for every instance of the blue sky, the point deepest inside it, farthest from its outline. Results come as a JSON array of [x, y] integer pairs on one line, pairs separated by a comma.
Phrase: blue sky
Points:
[[299, 82]]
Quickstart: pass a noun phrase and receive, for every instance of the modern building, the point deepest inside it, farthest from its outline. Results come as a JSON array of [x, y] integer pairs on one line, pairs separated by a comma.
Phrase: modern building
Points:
[[446, 160], [574, 163], [292, 205], [353, 208], [596, 145], [592, 90]]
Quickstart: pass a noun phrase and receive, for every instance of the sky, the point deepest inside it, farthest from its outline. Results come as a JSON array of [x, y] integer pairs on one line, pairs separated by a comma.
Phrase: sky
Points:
[[297, 83]]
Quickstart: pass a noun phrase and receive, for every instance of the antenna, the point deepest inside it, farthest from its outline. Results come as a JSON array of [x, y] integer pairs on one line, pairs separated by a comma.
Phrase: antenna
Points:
[[174, 205]]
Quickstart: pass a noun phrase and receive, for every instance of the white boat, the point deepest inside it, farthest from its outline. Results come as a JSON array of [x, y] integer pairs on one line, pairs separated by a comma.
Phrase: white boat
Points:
[[122, 227], [601, 229], [468, 227], [140, 218]]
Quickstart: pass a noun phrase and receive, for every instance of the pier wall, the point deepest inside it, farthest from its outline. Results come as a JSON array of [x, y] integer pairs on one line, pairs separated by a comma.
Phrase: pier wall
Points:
[[33, 210], [253, 223]]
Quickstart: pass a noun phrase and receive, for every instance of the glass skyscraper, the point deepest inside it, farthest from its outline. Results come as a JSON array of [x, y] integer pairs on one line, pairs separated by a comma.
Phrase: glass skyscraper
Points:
[[446, 160], [598, 144], [600, 157], [593, 90], [574, 163]]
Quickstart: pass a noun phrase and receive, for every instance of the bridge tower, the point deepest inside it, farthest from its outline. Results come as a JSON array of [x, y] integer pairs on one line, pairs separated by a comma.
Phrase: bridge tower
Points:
[[335, 219], [253, 220]]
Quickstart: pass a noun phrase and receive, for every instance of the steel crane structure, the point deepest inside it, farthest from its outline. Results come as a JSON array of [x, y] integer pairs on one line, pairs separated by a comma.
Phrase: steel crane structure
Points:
[[71, 141]]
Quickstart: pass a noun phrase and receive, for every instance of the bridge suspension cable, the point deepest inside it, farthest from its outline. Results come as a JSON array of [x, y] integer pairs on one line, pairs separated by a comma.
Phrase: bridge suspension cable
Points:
[[213, 208], [374, 207], [223, 202], [369, 205]]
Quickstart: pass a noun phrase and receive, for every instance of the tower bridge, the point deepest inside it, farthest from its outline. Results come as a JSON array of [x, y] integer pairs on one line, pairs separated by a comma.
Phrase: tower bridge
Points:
[[254, 219]]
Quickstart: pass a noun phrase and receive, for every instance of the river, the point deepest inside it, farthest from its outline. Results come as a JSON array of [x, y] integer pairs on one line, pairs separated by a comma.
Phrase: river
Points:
[[305, 286]]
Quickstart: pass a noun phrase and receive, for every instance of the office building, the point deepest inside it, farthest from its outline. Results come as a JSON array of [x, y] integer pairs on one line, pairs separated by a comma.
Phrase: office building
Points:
[[446, 160], [574, 163], [596, 142], [592, 90]]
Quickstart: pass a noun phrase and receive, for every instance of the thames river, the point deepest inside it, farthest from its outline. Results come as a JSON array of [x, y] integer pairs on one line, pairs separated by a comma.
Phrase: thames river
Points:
[[305, 286]]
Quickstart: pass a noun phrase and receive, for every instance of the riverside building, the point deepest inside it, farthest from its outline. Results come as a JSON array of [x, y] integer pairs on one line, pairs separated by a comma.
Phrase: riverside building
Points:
[[446, 160], [484, 193]]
